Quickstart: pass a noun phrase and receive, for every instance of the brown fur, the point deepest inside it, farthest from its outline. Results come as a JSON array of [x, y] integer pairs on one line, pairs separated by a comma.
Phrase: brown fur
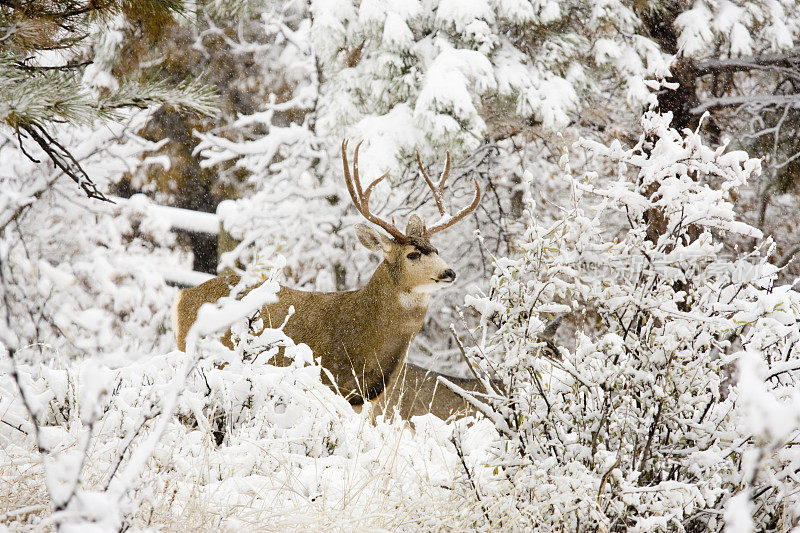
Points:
[[414, 391], [363, 335]]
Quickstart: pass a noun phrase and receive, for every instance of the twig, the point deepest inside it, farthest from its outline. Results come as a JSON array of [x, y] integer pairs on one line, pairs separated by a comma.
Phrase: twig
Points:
[[120, 457], [36, 68], [604, 479], [783, 62], [788, 256], [61, 506], [18, 428], [62, 158], [466, 359], [760, 101], [460, 453], [22, 511], [646, 451]]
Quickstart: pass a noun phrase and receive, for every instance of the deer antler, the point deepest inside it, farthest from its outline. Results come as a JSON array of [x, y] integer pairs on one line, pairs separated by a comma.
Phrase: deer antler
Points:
[[361, 197], [438, 197]]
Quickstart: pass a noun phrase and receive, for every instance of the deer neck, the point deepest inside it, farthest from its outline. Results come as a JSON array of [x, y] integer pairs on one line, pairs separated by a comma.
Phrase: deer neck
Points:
[[391, 300]]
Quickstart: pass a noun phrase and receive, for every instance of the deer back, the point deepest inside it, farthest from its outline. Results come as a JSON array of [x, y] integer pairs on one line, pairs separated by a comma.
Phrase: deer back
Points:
[[361, 336], [414, 391]]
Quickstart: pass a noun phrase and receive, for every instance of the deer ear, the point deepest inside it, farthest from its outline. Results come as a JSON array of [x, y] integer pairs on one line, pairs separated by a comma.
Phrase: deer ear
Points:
[[373, 240], [415, 226]]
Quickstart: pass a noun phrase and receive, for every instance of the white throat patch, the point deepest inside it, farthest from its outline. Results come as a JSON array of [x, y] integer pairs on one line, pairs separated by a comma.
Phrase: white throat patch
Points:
[[410, 300]]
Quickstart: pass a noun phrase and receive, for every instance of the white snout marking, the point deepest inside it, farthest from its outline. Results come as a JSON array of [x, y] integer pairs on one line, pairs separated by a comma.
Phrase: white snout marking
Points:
[[427, 288]]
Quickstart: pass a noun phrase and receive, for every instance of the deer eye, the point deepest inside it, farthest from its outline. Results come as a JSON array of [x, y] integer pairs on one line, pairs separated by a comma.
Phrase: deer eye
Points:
[[414, 255]]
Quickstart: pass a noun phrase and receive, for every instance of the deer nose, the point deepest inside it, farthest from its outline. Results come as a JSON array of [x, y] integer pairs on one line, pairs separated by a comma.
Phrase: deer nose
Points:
[[448, 274]]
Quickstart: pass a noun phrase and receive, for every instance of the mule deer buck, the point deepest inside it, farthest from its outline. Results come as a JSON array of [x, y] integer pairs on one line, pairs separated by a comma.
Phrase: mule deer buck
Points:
[[362, 335]]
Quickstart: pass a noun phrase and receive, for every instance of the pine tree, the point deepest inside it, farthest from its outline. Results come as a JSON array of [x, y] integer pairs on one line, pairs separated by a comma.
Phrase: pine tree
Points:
[[57, 66]]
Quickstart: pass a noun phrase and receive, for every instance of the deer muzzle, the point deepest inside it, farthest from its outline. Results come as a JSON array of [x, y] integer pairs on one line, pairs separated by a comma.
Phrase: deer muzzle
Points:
[[447, 276]]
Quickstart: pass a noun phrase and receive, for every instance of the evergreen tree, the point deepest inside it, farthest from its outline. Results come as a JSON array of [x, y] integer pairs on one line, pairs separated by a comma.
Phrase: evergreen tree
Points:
[[58, 63]]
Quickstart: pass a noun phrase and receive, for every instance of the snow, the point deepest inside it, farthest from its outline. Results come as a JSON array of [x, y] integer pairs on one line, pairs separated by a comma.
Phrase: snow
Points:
[[448, 86], [670, 399], [461, 13], [741, 41], [175, 217], [396, 33], [144, 434], [738, 515], [695, 30], [182, 277]]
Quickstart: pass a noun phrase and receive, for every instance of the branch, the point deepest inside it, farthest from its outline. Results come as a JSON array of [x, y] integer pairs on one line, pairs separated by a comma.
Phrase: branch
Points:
[[785, 62], [63, 159], [788, 256], [759, 101], [27, 199], [128, 442], [482, 379], [651, 433], [22, 65], [455, 440], [18, 428]]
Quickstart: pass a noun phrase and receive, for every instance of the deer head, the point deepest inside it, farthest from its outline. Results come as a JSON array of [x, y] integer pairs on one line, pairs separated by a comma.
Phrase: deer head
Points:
[[413, 261]]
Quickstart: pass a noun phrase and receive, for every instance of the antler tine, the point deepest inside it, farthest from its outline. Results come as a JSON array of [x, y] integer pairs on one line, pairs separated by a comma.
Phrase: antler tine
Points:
[[356, 177], [348, 179], [437, 191], [446, 171], [361, 198], [368, 190], [345, 167], [461, 214]]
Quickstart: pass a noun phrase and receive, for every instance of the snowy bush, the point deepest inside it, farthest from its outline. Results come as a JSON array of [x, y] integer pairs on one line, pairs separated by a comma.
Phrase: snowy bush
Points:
[[493, 82], [80, 277], [673, 407], [214, 439], [642, 422]]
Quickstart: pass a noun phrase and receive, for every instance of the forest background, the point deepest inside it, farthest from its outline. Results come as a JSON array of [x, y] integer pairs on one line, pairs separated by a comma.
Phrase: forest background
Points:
[[640, 162]]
